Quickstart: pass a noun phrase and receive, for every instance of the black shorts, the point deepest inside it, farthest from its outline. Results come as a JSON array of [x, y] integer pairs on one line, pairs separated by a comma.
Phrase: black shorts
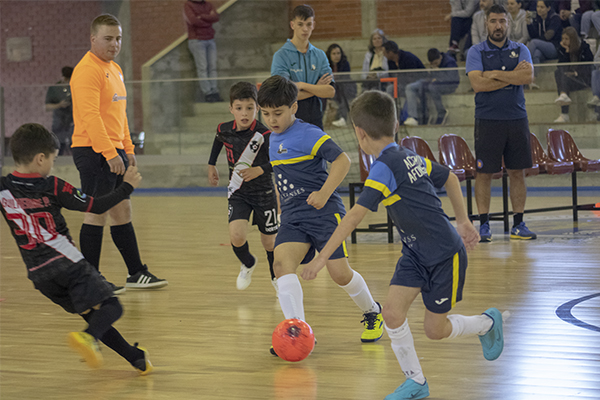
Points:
[[264, 212], [441, 285], [94, 171], [76, 288], [495, 139]]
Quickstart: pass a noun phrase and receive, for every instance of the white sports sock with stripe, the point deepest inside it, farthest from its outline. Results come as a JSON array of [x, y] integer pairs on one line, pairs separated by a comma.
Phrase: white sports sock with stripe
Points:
[[404, 349], [471, 325], [358, 290], [290, 296]]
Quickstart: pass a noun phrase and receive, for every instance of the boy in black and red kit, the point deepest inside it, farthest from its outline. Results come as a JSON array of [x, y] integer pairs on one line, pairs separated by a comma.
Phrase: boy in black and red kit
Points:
[[250, 188], [31, 204]]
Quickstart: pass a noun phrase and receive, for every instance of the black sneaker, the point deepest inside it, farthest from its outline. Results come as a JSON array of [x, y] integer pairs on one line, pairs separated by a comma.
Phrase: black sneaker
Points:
[[145, 280], [117, 289]]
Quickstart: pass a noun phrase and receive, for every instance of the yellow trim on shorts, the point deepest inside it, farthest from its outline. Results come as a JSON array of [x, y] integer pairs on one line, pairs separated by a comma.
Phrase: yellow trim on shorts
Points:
[[391, 200], [428, 165], [339, 219], [378, 186], [455, 278], [318, 145]]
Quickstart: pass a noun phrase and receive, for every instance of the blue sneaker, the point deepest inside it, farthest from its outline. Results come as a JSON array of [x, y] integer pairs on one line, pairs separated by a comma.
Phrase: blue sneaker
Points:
[[522, 232], [409, 390], [493, 341], [485, 233]]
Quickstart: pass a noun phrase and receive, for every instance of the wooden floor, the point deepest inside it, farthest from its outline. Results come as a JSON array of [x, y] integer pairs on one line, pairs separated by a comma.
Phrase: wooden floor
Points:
[[209, 341]]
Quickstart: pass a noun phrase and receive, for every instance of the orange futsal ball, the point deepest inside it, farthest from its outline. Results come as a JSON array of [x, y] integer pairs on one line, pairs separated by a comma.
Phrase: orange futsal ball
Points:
[[293, 340]]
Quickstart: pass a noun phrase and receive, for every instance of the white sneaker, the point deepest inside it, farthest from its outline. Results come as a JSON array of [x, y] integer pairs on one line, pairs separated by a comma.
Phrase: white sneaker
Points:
[[411, 122], [533, 86], [562, 118], [563, 100], [594, 101], [340, 123], [245, 276], [274, 283]]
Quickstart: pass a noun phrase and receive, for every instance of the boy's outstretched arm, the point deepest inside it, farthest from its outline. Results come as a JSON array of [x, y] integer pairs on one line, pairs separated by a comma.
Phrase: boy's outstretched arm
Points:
[[464, 227], [344, 229], [337, 173]]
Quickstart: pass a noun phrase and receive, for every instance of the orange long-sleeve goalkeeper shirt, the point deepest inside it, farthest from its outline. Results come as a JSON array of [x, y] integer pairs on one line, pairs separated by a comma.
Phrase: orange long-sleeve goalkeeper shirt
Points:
[[99, 107]]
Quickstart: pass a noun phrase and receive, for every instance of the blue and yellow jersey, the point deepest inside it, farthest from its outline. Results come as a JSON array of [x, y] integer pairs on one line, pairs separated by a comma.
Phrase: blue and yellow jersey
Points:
[[405, 183], [299, 158]]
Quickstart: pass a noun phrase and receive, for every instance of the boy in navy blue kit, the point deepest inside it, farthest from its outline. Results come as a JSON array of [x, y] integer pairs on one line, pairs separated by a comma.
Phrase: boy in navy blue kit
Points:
[[310, 207], [250, 187], [434, 258], [31, 202]]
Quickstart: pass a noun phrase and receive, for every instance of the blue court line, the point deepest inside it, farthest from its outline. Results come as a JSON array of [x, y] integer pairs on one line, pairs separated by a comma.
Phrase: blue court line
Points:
[[564, 312]]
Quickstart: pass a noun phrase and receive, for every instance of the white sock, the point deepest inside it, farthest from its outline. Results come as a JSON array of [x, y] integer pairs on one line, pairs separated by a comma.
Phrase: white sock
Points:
[[404, 349], [358, 290], [290, 296], [472, 325]]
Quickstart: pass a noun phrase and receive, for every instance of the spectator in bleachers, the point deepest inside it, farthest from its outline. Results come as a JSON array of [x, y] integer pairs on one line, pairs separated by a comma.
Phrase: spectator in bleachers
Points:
[[345, 89], [58, 100], [199, 16], [375, 64], [438, 83], [589, 18], [574, 77], [545, 31], [517, 24], [595, 100], [461, 18], [478, 28], [400, 60], [577, 12]]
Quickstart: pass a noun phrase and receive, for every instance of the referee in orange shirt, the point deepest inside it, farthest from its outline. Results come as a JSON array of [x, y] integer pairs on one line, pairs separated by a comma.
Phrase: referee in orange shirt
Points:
[[102, 149]]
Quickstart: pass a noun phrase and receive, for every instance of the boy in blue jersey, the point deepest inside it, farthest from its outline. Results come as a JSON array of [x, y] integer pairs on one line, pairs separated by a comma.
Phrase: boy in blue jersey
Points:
[[307, 66], [310, 207], [434, 259]]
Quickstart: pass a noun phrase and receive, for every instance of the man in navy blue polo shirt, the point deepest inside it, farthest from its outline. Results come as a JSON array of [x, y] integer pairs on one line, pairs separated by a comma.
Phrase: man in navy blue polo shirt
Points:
[[498, 68]]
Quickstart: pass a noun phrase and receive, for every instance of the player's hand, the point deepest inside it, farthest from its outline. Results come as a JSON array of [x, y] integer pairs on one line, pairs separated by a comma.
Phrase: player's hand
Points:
[[317, 200], [448, 17], [250, 173], [469, 235], [132, 176], [132, 160], [311, 269], [325, 79], [117, 166], [213, 175]]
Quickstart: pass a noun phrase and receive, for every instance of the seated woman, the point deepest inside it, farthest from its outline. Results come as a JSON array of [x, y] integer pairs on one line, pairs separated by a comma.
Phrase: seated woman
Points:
[[375, 65], [573, 77], [345, 89], [517, 27]]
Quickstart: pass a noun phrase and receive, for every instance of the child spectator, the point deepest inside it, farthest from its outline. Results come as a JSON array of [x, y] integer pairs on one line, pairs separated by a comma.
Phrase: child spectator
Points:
[[434, 253], [31, 204], [310, 206], [250, 189], [345, 89]]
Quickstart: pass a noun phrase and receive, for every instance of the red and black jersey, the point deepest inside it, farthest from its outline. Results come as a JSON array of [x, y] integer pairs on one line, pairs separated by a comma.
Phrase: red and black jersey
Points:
[[31, 204], [236, 142]]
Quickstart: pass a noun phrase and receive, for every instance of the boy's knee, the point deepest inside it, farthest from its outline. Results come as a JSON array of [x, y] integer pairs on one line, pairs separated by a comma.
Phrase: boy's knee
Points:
[[237, 240], [391, 317]]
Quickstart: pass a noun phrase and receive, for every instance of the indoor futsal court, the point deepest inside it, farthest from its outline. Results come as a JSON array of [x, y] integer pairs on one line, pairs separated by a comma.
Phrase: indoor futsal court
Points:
[[208, 340]]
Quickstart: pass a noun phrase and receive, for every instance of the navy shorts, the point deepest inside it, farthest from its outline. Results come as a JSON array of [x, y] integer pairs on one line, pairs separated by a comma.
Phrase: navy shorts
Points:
[[441, 285], [76, 287], [495, 139], [264, 214], [315, 231], [94, 171]]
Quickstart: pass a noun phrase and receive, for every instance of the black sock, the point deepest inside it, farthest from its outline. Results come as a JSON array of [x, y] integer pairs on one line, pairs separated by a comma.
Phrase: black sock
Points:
[[90, 243], [517, 219], [101, 320], [243, 254], [124, 238], [270, 258], [483, 218], [113, 340], [564, 109]]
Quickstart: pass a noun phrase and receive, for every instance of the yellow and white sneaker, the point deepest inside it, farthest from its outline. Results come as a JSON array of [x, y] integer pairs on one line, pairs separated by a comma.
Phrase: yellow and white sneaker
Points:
[[373, 326], [87, 346], [143, 365]]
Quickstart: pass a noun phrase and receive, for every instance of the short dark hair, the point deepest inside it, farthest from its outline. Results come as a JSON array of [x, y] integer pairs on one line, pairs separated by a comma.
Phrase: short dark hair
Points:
[[433, 54], [242, 91], [67, 72], [277, 91], [30, 140], [103, 19], [375, 112], [303, 12], [496, 9], [391, 46]]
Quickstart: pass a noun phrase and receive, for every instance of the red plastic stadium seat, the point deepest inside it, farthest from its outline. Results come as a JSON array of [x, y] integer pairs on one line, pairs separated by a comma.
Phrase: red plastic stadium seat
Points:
[[421, 147], [562, 148], [546, 165], [456, 155], [365, 160]]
